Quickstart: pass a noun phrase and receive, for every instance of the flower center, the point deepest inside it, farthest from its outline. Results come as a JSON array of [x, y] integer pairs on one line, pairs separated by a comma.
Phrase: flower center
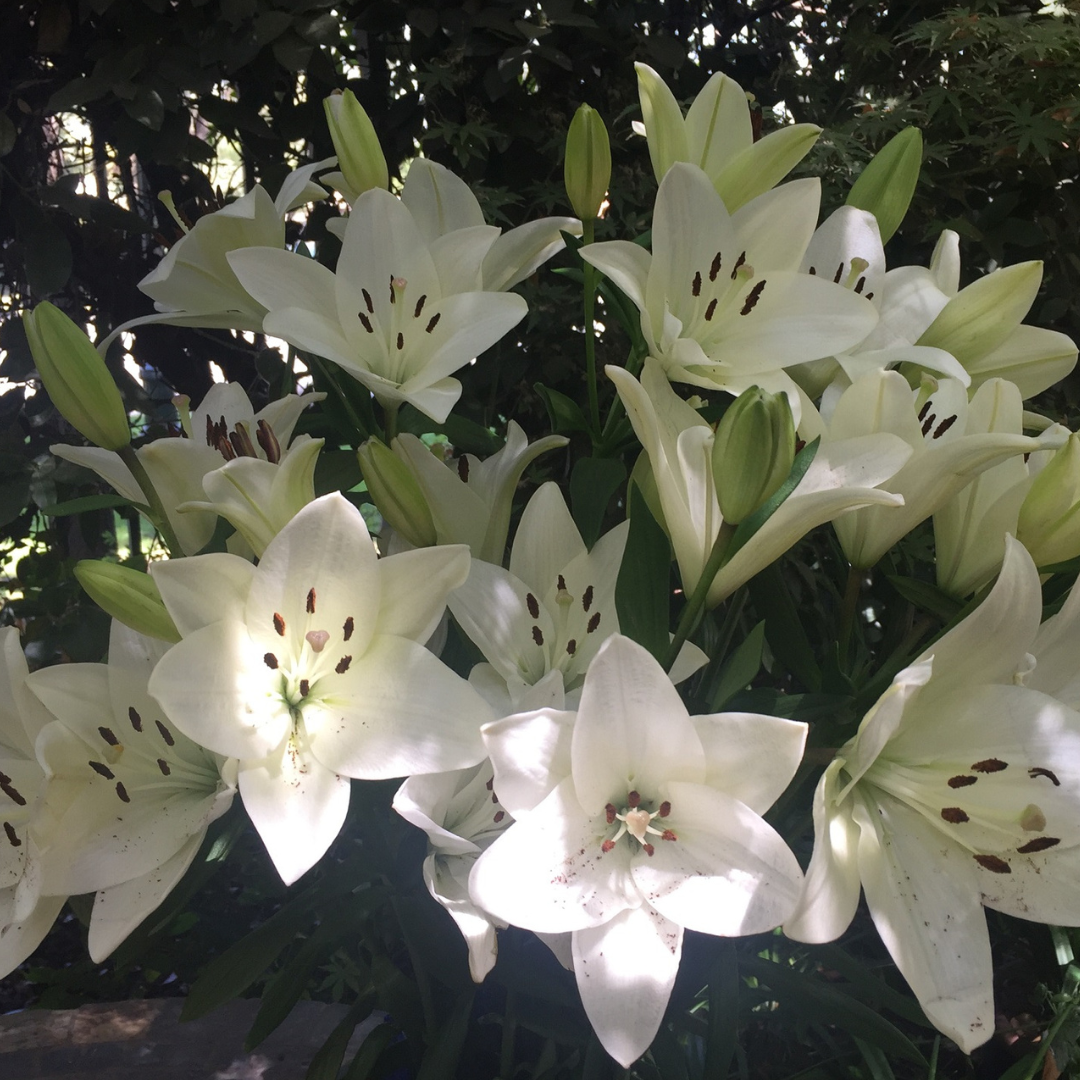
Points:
[[636, 820]]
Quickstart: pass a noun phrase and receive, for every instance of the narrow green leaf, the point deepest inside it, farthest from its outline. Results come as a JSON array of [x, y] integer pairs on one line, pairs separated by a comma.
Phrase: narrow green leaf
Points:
[[783, 628], [564, 413], [326, 1063], [643, 591], [444, 1048], [723, 1008], [740, 668], [925, 596], [868, 987], [592, 484], [367, 1057]]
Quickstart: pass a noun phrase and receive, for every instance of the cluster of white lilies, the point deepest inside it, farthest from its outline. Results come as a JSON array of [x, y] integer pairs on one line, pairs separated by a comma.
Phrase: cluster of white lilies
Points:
[[563, 785]]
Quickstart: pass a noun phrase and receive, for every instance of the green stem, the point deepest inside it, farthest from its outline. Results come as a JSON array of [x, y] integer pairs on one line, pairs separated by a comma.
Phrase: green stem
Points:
[[590, 277], [1047, 1041], [157, 515], [691, 616], [390, 415], [849, 611]]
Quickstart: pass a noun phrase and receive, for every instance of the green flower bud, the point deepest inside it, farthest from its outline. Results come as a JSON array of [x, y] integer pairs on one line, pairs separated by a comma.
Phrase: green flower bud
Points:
[[587, 169], [76, 378], [886, 185], [1049, 525], [753, 452], [359, 154], [392, 485], [127, 595]]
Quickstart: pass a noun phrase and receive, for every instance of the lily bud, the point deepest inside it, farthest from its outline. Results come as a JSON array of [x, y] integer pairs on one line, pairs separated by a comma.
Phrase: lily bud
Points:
[[129, 596], [76, 378], [664, 122], [1049, 525], [886, 185], [359, 154], [753, 452], [587, 170], [392, 485]]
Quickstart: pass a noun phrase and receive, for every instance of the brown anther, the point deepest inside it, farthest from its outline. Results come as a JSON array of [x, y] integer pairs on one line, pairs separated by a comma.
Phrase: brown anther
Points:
[[365, 322], [869, 296], [270, 660], [122, 792], [1039, 771], [163, 765], [649, 850], [211, 434], [943, 427], [738, 266], [665, 809], [839, 274], [695, 286], [135, 718], [165, 733], [812, 271], [494, 797], [607, 846], [571, 647], [266, 438], [347, 629], [241, 441], [367, 300], [463, 469], [9, 790], [993, 864], [593, 623], [714, 269], [633, 800], [400, 342], [310, 606], [1040, 843], [533, 606], [610, 813], [499, 815], [538, 635], [587, 598], [954, 815], [12, 836], [753, 297], [667, 834], [928, 423], [860, 285], [419, 306], [710, 311], [109, 736], [924, 410], [102, 770], [433, 322], [279, 624], [990, 765], [962, 781], [393, 298], [560, 583], [490, 784], [305, 686], [343, 665]]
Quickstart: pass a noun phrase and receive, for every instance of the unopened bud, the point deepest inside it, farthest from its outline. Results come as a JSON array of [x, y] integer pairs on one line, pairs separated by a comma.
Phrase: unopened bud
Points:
[[886, 185], [1049, 525], [127, 595], [587, 169], [396, 493], [753, 452], [359, 154], [75, 376]]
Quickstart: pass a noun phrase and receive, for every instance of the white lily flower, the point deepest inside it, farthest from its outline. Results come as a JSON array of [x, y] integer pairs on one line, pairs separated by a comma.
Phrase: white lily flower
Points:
[[385, 316], [471, 504], [961, 788], [309, 669], [224, 427], [462, 816], [541, 623], [26, 912], [722, 302], [129, 799], [717, 135], [634, 821], [842, 477], [948, 449]]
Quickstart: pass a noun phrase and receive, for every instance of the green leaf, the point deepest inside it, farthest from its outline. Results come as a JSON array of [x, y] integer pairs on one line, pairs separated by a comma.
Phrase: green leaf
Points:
[[8, 134], [326, 1063], [367, 1057], [643, 592], [925, 596], [48, 258], [887, 184], [444, 1048], [740, 668], [592, 484], [84, 504], [564, 413], [723, 1010], [783, 628], [146, 108]]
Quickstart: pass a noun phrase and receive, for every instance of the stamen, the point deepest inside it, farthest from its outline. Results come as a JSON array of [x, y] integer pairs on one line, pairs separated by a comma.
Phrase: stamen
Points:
[[990, 765], [9, 790], [343, 665], [392, 297], [268, 441], [954, 815], [665, 809], [869, 296], [925, 409], [667, 834], [102, 770], [1038, 771], [538, 635], [419, 306], [560, 583], [490, 784], [649, 850], [739, 262], [532, 605], [108, 736], [860, 285], [400, 342], [839, 274], [593, 623], [311, 601], [710, 311], [715, 268], [607, 846], [463, 469], [347, 629], [122, 792], [633, 800], [587, 598], [571, 647], [499, 815], [365, 322], [993, 864], [163, 765], [270, 660], [279, 624], [928, 423], [962, 781], [135, 718], [494, 797], [695, 287], [305, 686], [317, 639], [433, 322], [753, 297], [165, 733], [812, 271], [241, 442], [1040, 843], [367, 300], [610, 812], [943, 427], [12, 836]]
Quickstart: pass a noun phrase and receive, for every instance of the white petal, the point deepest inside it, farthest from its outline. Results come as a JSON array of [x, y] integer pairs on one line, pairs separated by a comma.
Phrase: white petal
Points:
[[625, 971], [203, 589], [439, 201], [18, 941], [414, 588], [625, 263], [531, 756], [476, 926], [106, 464], [547, 540], [520, 252]]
